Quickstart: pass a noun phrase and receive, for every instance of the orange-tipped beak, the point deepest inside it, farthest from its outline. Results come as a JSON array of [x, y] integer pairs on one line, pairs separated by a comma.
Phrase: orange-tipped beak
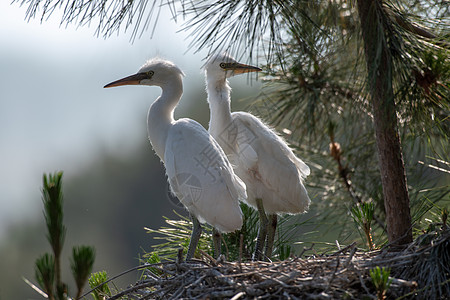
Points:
[[238, 68], [129, 80]]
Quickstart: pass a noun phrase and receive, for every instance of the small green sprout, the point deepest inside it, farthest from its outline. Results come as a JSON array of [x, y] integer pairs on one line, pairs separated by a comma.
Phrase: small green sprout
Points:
[[381, 281], [82, 261], [363, 215], [45, 273], [98, 284]]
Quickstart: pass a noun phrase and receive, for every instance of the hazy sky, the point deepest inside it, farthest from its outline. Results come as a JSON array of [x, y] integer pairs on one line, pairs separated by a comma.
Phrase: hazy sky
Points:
[[54, 112]]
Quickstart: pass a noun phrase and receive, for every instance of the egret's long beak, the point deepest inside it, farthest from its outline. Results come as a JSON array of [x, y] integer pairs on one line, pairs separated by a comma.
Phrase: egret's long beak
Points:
[[129, 80], [238, 68]]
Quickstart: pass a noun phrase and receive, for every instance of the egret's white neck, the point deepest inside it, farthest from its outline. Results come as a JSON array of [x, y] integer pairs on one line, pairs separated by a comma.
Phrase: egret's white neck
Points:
[[160, 114], [219, 104]]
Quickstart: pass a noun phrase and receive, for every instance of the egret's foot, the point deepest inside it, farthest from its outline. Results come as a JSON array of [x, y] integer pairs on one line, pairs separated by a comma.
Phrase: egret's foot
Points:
[[217, 238], [195, 236], [271, 230]]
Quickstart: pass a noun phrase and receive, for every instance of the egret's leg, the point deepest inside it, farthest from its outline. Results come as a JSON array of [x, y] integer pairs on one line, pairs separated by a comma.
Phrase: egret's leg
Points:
[[262, 232], [272, 227], [195, 236], [217, 237]]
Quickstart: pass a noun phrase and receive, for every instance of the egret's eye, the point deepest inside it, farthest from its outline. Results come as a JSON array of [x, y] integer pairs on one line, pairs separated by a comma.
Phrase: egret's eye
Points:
[[150, 74], [223, 65]]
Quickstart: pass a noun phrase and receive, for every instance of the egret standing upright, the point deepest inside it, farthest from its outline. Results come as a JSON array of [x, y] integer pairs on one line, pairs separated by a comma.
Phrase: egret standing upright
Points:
[[271, 171], [198, 171]]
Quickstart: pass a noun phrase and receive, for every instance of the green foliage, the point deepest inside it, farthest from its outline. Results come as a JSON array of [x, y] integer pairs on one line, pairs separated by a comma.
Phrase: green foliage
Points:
[[82, 261], [363, 216], [153, 258], [45, 273], [381, 281], [177, 234], [97, 283], [444, 216], [434, 224], [48, 267], [249, 232], [234, 26], [216, 25], [52, 198], [284, 251], [285, 237]]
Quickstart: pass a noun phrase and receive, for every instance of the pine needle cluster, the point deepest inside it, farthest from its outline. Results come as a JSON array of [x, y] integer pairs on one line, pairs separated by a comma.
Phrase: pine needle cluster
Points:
[[48, 266]]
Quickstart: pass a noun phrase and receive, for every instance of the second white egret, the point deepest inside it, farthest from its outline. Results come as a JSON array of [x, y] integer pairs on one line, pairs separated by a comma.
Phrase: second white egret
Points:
[[271, 171]]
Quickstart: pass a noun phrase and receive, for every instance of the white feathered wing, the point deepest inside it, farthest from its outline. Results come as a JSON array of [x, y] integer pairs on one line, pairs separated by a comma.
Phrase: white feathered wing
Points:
[[202, 178], [271, 170]]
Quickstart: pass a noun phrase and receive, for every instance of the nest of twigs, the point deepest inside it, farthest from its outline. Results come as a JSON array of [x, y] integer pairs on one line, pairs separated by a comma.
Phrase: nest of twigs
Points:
[[421, 271]]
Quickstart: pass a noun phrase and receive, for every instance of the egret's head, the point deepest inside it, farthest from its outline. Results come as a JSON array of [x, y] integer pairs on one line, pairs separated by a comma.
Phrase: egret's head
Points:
[[225, 66], [154, 72]]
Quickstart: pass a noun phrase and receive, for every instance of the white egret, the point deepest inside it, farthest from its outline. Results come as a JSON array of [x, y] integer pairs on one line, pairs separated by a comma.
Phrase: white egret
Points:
[[271, 171], [198, 171]]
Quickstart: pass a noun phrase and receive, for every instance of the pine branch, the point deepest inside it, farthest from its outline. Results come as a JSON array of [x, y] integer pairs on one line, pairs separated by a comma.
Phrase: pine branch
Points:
[[336, 153], [82, 261], [415, 28], [45, 274], [52, 198]]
